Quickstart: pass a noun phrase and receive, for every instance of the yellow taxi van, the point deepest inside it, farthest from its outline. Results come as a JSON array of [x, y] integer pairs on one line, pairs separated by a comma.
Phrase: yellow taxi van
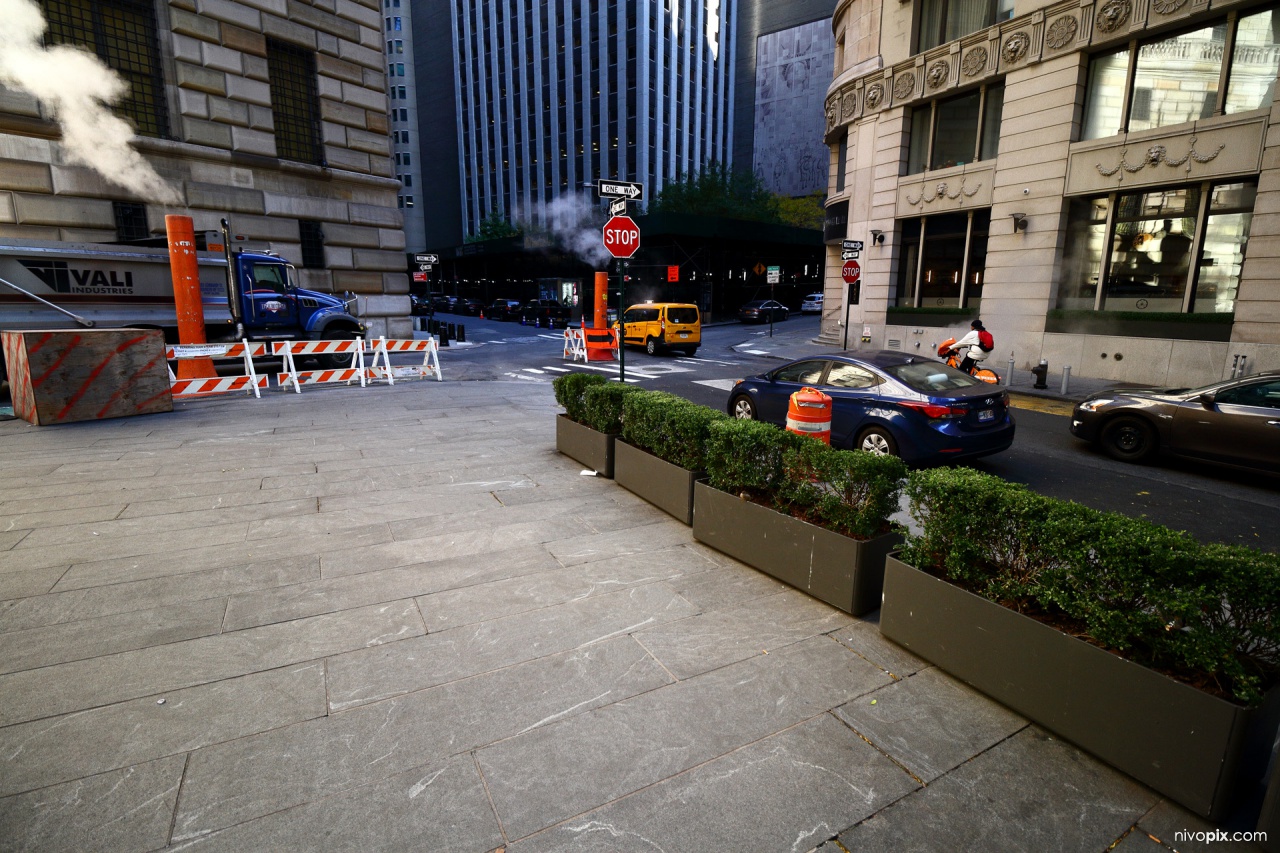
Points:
[[663, 326]]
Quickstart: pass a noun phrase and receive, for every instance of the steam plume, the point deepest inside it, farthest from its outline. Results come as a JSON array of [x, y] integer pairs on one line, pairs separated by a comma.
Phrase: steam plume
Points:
[[77, 89], [576, 223]]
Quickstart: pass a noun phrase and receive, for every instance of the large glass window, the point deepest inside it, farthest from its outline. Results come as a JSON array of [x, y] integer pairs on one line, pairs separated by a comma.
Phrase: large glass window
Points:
[[955, 131], [123, 35], [944, 20], [1165, 250], [1180, 78], [943, 259]]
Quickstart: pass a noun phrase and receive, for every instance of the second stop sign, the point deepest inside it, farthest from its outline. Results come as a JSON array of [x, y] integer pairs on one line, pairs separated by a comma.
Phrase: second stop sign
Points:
[[621, 236]]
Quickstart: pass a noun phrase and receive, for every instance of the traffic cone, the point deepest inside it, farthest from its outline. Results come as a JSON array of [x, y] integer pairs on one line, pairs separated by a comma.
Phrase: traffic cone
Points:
[[481, 313]]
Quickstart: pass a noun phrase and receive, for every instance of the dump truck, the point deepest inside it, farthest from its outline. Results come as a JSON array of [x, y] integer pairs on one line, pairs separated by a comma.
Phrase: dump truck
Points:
[[250, 295]]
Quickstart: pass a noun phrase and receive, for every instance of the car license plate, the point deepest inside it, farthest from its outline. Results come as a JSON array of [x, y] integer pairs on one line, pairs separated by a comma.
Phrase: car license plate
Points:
[[986, 415], [684, 334]]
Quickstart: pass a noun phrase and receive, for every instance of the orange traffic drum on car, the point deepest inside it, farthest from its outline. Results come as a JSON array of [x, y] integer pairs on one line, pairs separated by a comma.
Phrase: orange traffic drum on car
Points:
[[809, 413]]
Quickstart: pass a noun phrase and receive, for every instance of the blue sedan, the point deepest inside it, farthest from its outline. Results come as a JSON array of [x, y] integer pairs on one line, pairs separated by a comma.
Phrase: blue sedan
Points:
[[888, 402]]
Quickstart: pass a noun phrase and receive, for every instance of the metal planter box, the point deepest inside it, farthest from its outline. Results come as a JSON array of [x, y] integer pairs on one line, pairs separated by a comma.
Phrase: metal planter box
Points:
[[845, 573], [1181, 741], [668, 487], [591, 448]]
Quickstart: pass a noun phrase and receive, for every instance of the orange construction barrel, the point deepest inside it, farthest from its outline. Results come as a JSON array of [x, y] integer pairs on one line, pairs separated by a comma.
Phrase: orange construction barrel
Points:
[[810, 414]]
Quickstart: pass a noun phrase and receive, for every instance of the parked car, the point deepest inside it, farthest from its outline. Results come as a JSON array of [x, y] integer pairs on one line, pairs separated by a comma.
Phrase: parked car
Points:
[[503, 309], [444, 303], [1234, 422], [888, 402], [420, 306], [469, 307], [544, 314], [762, 311], [663, 326], [812, 304]]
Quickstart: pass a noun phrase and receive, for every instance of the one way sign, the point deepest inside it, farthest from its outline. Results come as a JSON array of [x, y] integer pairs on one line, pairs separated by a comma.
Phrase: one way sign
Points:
[[620, 189]]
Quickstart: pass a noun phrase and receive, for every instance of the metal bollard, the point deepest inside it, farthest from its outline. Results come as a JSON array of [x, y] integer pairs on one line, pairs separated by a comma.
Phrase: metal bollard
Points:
[[452, 332], [462, 334], [444, 335], [1066, 378], [1008, 377]]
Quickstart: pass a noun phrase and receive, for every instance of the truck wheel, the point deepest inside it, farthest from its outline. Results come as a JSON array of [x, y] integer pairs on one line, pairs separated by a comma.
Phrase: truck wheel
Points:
[[340, 360]]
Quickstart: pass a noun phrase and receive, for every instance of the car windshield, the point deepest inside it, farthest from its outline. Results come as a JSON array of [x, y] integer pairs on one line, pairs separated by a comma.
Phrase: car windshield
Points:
[[929, 377], [682, 315]]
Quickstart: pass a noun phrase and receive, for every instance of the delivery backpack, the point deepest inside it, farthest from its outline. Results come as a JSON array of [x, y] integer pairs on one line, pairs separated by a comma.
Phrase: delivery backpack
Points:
[[986, 343]]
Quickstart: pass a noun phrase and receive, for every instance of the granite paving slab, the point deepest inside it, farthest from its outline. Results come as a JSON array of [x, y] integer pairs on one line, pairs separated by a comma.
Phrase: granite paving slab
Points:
[[19, 515], [929, 722], [553, 773], [240, 780], [758, 626], [10, 538], [75, 686], [57, 497], [59, 749], [368, 675], [664, 533], [440, 807], [1167, 819], [29, 648], [506, 597], [1030, 792], [863, 636], [1138, 841], [92, 602], [119, 812], [787, 792], [726, 586], [20, 584], [24, 556]]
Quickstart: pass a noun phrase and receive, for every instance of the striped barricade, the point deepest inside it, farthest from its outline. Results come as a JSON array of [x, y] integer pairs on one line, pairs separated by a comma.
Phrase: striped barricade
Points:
[[575, 344], [245, 351], [381, 367], [297, 378]]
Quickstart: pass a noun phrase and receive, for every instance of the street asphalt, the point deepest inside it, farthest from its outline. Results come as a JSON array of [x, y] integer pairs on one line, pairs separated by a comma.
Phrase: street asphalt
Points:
[[395, 618]]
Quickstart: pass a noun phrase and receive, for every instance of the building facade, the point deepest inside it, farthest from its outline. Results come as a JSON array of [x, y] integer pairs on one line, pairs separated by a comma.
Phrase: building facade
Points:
[[272, 115], [1097, 180]]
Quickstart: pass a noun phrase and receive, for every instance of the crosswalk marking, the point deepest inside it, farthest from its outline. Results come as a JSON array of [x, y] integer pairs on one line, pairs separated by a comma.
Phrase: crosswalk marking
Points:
[[708, 361], [556, 369], [718, 384], [531, 370]]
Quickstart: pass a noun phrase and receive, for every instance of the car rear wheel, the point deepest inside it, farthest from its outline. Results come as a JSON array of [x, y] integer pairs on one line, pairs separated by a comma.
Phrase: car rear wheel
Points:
[[1128, 439], [877, 441], [651, 346], [743, 409], [689, 351]]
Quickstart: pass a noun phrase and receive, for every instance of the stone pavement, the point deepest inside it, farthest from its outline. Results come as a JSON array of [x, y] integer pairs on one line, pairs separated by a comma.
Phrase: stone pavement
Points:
[[396, 618]]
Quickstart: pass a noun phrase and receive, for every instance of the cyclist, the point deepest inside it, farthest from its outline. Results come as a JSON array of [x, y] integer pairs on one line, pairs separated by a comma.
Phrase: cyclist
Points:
[[979, 343]]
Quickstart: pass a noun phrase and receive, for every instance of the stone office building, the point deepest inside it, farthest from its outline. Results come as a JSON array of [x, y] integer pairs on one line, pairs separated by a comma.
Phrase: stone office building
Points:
[[272, 113], [1099, 181]]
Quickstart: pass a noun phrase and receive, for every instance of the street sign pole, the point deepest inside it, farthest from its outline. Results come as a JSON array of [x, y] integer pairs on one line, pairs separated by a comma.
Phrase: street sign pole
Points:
[[622, 323]]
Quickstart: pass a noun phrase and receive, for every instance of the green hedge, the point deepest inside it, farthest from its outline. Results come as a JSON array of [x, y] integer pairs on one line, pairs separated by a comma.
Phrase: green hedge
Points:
[[602, 406], [569, 390], [669, 427], [1206, 612], [848, 491]]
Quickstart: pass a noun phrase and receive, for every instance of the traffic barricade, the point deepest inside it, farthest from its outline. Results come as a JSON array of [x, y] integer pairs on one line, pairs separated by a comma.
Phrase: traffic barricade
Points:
[[602, 344], [381, 368], [297, 378], [575, 344], [809, 413], [248, 381]]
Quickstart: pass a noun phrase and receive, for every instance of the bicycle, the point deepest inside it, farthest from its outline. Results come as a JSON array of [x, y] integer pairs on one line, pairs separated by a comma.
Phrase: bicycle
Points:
[[953, 359]]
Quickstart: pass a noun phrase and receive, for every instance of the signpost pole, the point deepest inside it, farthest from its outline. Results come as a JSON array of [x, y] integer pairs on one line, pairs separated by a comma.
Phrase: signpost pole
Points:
[[622, 323]]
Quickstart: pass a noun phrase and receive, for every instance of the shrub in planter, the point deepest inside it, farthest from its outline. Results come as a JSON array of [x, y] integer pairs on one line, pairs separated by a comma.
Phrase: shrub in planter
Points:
[[669, 427], [1206, 614], [847, 491], [748, 456], [569, 390]]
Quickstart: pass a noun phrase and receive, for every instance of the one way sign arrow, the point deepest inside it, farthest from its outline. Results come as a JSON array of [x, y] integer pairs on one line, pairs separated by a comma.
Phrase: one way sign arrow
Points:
[[620, 189]]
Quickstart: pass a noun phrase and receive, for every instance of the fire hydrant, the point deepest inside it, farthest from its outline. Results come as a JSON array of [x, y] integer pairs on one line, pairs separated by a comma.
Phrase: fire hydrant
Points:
[[1041, 373]]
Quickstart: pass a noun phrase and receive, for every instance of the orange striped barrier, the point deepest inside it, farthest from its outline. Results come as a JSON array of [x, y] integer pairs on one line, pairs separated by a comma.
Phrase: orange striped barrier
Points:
[[291, 376], [810, 414], [247, 381], [381, 367]]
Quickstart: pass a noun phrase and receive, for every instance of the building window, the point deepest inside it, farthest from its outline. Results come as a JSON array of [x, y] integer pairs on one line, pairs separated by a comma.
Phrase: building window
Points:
[[396, 22], [842, 154], [1181, 78], [955, 131], [131, 221], [294, 102], [934, 269], [1142, 245], [123, 35], [312, 244], [408, 201], [945, 20]]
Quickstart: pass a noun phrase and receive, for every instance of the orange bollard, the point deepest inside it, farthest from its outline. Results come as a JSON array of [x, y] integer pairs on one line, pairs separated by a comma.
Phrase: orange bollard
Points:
[[186, 294], [601, 343], [601, 301], [809, 413]]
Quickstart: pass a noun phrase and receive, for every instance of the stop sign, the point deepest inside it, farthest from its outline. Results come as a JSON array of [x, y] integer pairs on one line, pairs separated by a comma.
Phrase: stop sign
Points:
[[621, 236], [851, 271]]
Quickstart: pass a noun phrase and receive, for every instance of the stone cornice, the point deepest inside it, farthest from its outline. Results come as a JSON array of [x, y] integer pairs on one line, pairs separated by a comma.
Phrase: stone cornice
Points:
[[989, 54]]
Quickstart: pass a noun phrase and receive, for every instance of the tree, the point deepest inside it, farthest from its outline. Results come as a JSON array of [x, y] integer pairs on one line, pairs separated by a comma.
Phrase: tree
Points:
[[805, 212], [494, 227], [717, 191]]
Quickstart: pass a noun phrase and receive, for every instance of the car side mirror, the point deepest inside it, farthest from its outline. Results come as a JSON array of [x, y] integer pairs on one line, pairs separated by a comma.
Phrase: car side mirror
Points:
[[1207, 400]]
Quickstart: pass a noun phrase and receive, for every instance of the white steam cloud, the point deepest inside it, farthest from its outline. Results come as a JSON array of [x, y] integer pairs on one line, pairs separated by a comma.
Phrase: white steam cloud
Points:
[[77, 89], [576, 224]]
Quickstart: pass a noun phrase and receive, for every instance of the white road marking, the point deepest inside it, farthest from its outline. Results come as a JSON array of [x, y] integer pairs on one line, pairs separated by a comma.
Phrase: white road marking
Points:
[[757, 351], [720, 384], [531, 370], [556, 369]]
